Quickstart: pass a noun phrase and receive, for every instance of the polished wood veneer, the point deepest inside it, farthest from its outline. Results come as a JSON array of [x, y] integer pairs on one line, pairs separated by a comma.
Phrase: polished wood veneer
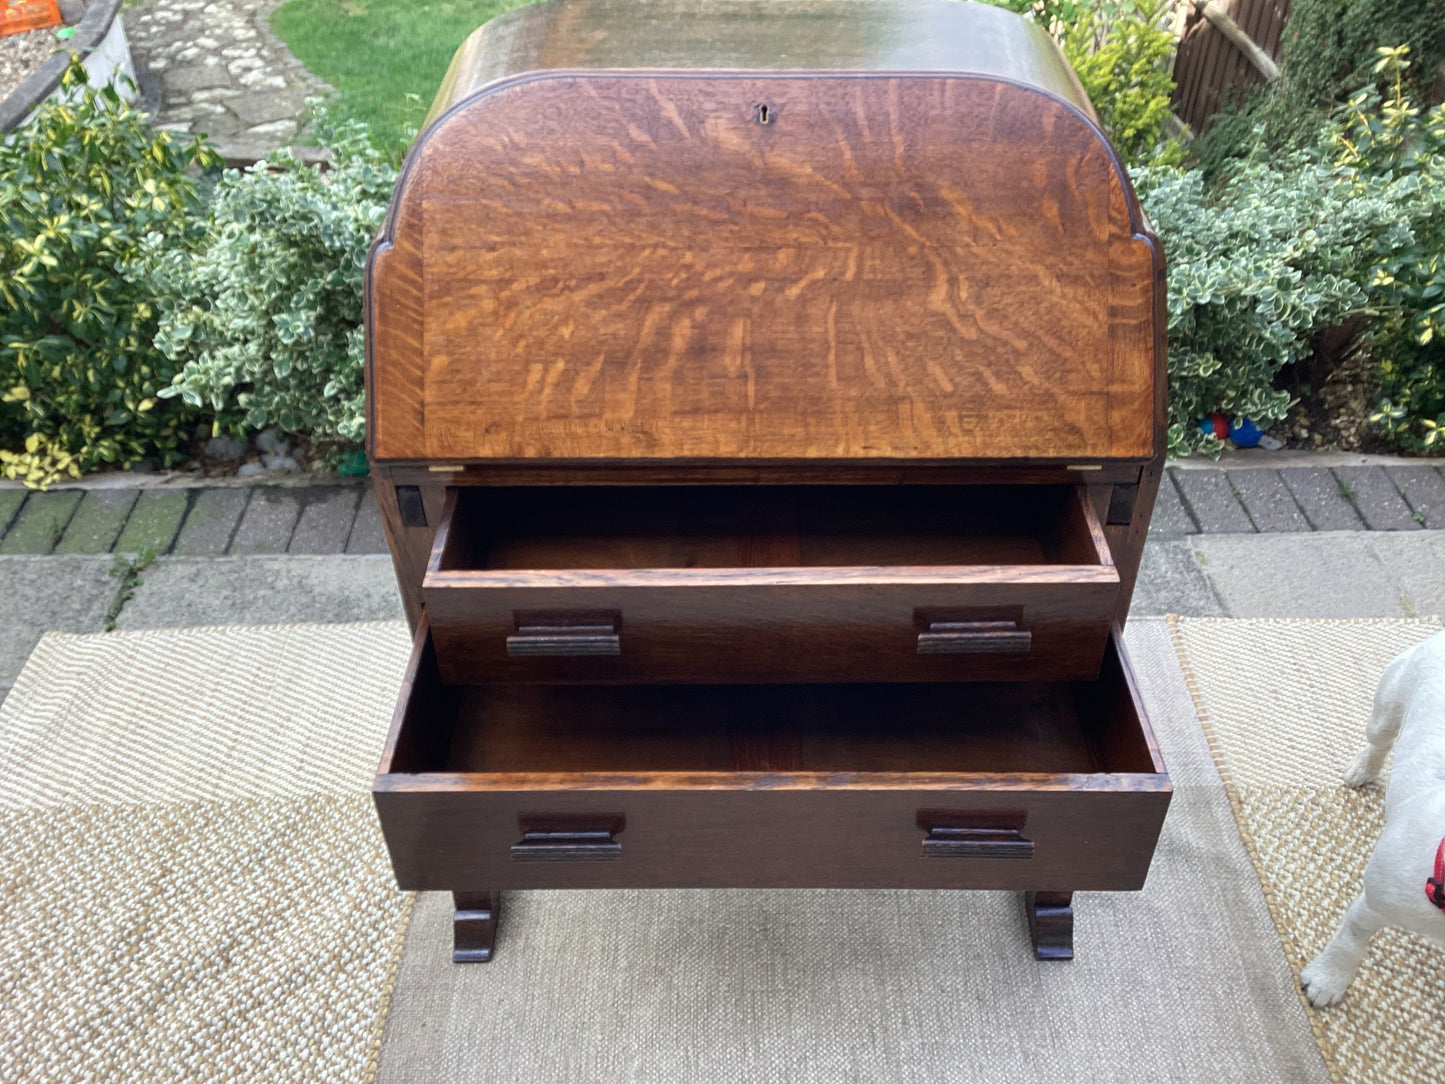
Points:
[[586, 259], [766, 410]]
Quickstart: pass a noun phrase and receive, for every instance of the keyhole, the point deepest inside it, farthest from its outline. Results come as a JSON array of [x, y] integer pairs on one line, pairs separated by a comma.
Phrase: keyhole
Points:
[[763, 113]]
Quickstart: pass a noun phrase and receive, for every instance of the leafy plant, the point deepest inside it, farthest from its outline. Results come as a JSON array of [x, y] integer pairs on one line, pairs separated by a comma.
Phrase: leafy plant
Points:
[[1123, 57], [1328, 49], [1125, 62], [1256, 270], [1388, 146], [88, 194], [265, 323]]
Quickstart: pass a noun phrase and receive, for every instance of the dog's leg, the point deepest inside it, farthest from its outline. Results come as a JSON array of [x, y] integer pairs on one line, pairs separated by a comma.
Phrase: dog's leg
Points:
[[1391, 699], [1330, 973]]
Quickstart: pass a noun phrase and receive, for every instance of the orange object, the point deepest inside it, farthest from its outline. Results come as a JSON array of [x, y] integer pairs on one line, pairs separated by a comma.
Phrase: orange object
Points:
[[19, 16]]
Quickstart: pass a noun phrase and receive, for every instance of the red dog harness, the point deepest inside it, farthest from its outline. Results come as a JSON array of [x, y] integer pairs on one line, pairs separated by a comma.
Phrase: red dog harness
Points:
[[1435, 886]]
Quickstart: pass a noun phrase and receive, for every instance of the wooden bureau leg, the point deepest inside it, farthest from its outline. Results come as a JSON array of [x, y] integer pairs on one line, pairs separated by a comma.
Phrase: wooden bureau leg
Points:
[[1051, 924], [474, 926]]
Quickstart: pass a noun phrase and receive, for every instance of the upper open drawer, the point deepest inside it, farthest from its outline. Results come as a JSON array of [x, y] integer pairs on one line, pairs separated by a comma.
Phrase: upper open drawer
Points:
[[924, 249], [762, 583]]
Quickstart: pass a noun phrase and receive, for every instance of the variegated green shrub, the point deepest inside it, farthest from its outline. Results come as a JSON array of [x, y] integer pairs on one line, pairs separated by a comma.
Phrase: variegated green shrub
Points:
[[1256, 269], [1276, 253], [265, 324]]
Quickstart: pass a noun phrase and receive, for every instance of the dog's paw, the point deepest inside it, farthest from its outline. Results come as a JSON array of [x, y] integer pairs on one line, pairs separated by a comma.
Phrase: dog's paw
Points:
[[1362, 772], [1324, 985]]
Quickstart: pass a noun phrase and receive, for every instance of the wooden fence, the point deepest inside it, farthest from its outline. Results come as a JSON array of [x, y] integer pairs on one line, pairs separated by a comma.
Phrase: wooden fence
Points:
[[1224, 43]]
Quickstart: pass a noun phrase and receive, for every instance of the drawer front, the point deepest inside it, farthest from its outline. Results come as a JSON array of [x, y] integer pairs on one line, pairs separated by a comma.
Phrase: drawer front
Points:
[[825, 625], [1003, 837], [1000, 785], [736, 585]]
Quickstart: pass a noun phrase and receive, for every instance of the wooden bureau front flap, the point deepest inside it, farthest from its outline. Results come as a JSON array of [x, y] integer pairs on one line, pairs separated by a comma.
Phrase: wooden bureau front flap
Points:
[[631, 266]]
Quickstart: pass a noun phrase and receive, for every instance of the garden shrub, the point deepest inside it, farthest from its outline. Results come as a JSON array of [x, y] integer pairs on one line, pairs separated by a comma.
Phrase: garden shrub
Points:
[[1123, 56], [88, 195], [1125, 64], [1327, 51], [265, 323], [1275, 254], [1388, 146], [1255, 270]]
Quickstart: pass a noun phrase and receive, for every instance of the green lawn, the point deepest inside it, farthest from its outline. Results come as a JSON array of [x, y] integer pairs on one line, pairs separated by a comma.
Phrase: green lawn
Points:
[[385, 58]]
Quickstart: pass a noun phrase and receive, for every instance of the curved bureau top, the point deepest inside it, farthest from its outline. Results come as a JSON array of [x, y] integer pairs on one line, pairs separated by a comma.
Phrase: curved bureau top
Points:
[[759, 35], [858, 256]]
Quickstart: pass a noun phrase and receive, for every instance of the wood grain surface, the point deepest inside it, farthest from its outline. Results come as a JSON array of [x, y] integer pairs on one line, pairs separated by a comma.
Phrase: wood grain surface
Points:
[[759, 35], [623, 266], [807, 584]]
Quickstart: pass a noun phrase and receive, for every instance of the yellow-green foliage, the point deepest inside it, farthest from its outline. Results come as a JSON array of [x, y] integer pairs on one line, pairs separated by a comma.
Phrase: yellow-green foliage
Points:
[[87, 193], [1388, 144], [1123, 54], [1125, 63]]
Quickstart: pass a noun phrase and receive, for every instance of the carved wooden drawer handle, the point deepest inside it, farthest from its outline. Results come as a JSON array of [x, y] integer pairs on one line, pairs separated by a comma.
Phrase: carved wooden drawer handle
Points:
[[974, 638], [567, 839], [566, 634], [977, 843]]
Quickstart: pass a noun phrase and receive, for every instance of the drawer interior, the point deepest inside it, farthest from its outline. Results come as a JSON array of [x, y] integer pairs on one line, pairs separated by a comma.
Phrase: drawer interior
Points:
[[673, 527], [725, 728], [1065, 728]]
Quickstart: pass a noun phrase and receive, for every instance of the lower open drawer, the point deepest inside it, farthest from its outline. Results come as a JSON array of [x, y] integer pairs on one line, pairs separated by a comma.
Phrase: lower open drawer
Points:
[[1047, 786]]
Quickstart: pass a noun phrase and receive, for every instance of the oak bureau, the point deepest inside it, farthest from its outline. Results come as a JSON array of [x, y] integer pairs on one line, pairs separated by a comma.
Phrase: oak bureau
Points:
[[766, 411]]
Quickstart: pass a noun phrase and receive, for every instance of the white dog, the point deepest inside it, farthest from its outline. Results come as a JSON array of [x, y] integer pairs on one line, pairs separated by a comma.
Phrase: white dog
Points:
[[1410, 715]]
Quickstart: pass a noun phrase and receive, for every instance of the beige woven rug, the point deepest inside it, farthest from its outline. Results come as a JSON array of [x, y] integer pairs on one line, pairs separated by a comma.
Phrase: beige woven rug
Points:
[[1182, 982], [1284, 703], [192, 883]]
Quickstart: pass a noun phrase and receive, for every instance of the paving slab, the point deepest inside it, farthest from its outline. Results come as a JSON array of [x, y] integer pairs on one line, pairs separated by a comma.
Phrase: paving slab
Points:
[[1416, 562], [65, 594], [10, 502], [40, 523], [153, 522], [1424, 491], [367, 534], [268, 522], [98, 521], [184, 592], [1171, 581], [326, 518], [1377, 499], [1211, 500], [211, 522], [218, 68], [1268, 500], [1170, 519], [1318, 494], [1324, 574]]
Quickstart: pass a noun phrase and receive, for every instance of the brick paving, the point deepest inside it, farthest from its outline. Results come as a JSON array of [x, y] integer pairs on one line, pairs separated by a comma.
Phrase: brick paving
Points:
[[336, 518], [1299, 499], [1324, 499], [1213, 502]]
